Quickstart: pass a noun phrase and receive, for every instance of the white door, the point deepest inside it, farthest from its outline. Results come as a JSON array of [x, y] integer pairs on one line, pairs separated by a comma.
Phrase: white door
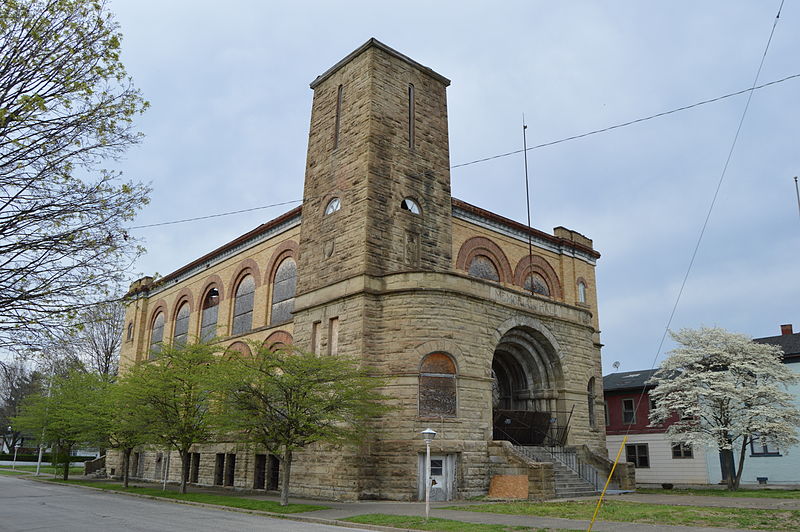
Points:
[[442, 477]]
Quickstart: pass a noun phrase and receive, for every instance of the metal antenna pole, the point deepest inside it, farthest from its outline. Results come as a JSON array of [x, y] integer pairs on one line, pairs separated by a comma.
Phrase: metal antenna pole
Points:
[[797, 191], [527, 199]]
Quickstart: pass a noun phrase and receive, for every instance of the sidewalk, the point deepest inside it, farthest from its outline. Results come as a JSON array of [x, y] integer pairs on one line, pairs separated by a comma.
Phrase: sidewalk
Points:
[[341, 510]]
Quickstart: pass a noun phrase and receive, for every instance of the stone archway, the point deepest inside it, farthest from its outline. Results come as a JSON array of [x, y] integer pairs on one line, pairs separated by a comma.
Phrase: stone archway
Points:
[[526, 378]]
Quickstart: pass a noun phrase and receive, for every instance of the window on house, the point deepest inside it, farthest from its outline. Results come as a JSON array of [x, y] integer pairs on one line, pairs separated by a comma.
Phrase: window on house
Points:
[[482, 267], [283, 290], [638, 454], [243, 305], [535, 283], [208, 319], [333, 205], [682, 450], [437, 386], [338, 117], [410, 205], [581, 292], [761, 446], [157, 334], [628, 411], [590, 397], [181, 325], [411, 113]]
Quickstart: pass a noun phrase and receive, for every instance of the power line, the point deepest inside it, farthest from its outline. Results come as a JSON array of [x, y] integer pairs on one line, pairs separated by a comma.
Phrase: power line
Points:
[[216, 215], [498, 156], [629, 123]]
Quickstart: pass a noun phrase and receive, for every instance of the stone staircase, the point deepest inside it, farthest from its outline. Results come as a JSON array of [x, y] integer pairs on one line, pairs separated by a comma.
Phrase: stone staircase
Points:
[[566, 466]]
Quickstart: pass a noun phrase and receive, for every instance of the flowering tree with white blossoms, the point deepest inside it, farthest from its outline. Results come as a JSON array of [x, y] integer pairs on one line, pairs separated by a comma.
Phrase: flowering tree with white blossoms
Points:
[[726, 389]]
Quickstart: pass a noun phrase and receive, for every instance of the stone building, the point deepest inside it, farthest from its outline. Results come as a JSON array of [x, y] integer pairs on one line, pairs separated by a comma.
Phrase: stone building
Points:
[[494, 346]]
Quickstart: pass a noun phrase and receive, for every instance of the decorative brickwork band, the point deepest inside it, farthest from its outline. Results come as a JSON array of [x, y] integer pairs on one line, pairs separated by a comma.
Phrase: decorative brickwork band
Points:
[[538, 265], [479, 245]]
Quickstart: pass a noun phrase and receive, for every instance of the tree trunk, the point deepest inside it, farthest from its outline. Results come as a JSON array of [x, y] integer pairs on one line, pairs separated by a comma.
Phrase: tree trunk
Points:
[[728, 467], [65, 457], [126, 465], [741, 463], [185, 456], [286, 466]]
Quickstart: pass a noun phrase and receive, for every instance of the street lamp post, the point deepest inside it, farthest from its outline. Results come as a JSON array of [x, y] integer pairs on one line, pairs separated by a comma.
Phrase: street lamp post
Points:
[[429, 435]]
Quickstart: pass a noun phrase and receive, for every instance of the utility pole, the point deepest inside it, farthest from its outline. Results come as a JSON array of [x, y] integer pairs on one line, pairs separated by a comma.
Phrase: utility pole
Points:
[[797, 191]]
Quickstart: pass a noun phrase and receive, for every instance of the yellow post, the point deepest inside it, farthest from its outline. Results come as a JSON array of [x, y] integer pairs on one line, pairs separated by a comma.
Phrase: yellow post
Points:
[[608, 480]]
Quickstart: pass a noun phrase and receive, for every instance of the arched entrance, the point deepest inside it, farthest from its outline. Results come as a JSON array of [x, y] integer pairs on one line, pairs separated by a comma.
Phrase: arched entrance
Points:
[[526, 373]]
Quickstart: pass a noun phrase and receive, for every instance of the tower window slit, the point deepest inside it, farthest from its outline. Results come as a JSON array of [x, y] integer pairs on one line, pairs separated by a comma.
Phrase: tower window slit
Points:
[[338, 117], [411, 113]]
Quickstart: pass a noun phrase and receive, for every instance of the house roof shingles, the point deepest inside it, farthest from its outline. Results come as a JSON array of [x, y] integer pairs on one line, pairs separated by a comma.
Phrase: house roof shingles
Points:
[[628, 380]]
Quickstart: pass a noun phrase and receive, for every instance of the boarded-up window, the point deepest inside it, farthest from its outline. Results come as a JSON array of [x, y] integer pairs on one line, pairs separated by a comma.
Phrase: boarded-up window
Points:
[[535, 283], [283, 290], [243, 305], [157, 334], [181, 325], [482, 267], [437, 386], [208, 321]]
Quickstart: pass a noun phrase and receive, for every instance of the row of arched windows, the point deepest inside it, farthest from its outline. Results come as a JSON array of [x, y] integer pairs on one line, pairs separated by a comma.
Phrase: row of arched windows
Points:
[[482, 258], [284, 285]]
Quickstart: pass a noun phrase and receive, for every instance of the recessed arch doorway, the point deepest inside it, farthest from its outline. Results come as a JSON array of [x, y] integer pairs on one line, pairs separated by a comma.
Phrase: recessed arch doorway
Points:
[[526, 379]]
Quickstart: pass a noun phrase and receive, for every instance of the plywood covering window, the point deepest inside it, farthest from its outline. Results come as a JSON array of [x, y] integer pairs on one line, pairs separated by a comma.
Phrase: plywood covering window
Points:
[[243, 305], [437, 386]]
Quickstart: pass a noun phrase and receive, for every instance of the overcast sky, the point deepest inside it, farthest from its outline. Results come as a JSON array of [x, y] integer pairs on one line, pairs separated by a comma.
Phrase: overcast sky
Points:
[[228, 126]]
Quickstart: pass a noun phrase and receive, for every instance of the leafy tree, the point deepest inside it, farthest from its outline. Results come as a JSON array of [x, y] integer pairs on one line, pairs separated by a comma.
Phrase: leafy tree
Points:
[[66, 106], [73, 412], [173, 395], [288, 399], [725, 389], [16, 383], [127, 426]]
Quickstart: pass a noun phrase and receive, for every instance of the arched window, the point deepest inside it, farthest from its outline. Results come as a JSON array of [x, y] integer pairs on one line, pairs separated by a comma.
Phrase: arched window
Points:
[[181, 325], [283, 289], [581, 292], [482, 267], [590, 397], [243, 305], [333, 205], [209, 314], [536, 283], [410, 205], [157, 334], [437, 386]]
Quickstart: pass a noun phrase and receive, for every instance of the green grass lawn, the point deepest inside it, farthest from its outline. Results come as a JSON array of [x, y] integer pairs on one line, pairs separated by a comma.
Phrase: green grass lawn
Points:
[[232, 501], [435, 524], [757, 493], [48, 469], [658, 514]]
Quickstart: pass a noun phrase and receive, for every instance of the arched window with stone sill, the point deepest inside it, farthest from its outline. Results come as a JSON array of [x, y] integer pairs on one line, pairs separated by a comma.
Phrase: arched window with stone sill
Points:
[[284, 286], [243, 305], [157, 334], [209, 315], [483, 267], [437, 386], [181, 332]]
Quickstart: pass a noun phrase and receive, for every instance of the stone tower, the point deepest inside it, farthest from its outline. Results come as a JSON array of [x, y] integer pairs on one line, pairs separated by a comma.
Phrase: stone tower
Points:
[[377, 147]]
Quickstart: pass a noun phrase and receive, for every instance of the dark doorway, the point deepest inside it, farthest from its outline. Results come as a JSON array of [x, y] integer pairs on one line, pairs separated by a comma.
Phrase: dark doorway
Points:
[[219, 464], [194, 467], [260, 474], [274, 472], [230, 468], [521, 427]]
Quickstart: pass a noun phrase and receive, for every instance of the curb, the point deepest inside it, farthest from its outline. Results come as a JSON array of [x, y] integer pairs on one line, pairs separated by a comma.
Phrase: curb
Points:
[[288, 517]]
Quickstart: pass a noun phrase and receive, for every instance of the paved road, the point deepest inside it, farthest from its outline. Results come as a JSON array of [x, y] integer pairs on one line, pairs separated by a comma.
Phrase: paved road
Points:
[[26, 506]]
